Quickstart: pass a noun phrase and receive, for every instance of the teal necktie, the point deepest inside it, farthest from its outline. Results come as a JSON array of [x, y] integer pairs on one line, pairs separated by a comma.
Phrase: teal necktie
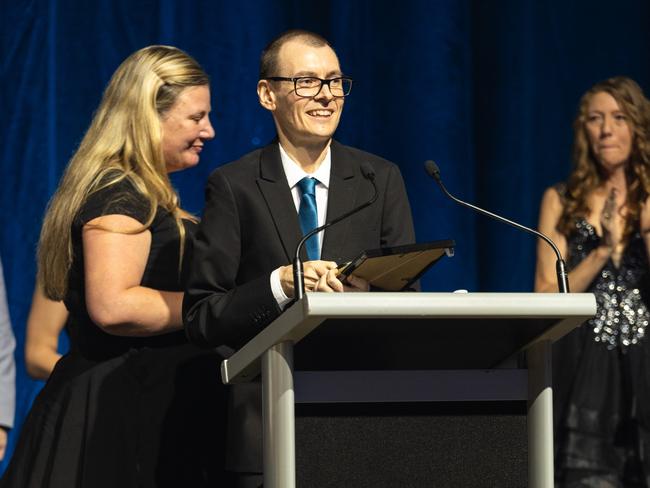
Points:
[[308, 215]]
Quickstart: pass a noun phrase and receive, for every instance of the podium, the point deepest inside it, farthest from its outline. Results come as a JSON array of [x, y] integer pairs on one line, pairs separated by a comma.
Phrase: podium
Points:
[[408, 347]]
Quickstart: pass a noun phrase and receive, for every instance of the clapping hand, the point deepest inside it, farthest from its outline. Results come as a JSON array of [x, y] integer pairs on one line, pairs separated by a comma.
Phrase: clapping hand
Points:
[[610, 223]]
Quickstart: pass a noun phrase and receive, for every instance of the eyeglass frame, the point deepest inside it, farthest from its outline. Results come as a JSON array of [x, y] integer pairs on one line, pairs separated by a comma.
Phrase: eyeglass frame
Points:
[[322, 84]]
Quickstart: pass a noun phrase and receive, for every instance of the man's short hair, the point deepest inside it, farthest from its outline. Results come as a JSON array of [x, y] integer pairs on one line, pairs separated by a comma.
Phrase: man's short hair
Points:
[[269, 58]]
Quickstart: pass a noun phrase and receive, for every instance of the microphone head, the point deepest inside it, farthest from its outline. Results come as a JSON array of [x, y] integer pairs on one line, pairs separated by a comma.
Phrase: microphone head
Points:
[[367, 170], [432, 169]]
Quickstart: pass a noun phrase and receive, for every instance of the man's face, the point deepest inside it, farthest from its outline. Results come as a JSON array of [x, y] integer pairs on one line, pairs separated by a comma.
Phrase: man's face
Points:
[[305, 121]]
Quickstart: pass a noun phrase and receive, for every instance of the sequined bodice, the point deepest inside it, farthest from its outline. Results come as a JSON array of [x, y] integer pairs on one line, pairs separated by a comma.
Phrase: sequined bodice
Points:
[[621, 293]]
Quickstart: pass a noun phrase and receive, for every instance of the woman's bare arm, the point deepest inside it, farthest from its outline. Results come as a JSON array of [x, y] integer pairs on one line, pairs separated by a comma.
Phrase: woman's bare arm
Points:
[[44, 324], [582, 275], [115, 261]]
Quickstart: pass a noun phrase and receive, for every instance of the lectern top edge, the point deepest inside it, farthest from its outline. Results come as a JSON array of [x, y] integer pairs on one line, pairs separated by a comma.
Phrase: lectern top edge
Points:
[[304, 316]]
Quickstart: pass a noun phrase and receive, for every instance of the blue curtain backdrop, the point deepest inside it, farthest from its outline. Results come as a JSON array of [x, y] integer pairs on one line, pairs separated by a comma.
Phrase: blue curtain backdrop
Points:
[[488, 89]]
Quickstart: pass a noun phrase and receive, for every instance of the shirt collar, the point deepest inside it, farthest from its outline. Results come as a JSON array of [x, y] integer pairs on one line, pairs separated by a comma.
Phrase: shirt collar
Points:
[[295, 173]]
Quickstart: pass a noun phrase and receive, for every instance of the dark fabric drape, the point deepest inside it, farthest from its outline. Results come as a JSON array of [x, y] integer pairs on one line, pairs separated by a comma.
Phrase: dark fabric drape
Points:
[[488, 89]]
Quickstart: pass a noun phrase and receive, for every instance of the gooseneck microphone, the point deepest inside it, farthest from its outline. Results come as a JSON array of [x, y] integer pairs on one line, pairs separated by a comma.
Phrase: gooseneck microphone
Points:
[[298, 271], [560, 268]]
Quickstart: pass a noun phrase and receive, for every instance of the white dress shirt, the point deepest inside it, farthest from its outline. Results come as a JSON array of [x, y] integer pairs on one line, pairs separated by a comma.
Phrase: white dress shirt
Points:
[[294, 173]]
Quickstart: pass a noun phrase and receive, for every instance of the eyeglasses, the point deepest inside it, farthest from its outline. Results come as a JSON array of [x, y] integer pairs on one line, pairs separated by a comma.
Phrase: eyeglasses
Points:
[[309, 86]]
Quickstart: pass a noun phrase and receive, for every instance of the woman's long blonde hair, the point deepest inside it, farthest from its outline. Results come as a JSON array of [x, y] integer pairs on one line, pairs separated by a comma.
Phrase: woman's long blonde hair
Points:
[[588, 174], [124, 140]]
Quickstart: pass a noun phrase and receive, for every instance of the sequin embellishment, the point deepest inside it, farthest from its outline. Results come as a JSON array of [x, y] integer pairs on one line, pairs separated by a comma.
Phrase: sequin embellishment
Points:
[[622, 315]]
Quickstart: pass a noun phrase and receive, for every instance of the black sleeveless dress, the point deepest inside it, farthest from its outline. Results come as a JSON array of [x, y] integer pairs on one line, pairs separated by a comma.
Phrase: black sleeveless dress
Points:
[[123, 411], [602, 375]]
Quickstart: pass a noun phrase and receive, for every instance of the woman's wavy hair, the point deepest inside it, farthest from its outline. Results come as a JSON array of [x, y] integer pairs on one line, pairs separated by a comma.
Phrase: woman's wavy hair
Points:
[[587, 174], [124, 140]]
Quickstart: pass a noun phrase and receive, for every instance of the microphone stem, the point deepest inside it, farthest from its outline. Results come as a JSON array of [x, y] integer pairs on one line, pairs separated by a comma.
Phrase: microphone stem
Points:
[[298, 279], [298, 271], [560, 266], [562, 275]]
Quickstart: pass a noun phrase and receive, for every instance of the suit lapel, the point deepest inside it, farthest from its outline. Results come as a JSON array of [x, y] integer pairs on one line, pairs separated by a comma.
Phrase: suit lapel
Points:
[[275, 190], [341, 198]]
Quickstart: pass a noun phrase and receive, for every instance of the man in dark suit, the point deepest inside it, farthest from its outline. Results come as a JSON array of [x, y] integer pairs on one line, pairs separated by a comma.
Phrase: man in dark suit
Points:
[[255, 211]]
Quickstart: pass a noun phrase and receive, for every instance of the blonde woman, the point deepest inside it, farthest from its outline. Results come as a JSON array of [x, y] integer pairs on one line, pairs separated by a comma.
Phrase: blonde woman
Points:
[[600, 219], [131, 404]]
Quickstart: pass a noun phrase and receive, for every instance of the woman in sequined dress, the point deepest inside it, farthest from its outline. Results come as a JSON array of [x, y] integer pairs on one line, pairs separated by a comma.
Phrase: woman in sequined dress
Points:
[[600, 219]]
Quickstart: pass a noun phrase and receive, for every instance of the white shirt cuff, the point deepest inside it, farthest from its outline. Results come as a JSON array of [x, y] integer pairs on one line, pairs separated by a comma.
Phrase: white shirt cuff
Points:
[[280, 297]]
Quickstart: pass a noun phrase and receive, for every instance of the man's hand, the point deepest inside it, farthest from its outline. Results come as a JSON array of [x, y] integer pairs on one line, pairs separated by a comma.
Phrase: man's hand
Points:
[[313, 271], [3, 442], [354, 283], [330, 282]]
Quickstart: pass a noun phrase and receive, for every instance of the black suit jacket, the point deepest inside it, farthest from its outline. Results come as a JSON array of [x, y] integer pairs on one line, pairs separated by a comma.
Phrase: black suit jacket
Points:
[[249, 228]]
